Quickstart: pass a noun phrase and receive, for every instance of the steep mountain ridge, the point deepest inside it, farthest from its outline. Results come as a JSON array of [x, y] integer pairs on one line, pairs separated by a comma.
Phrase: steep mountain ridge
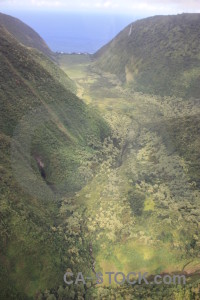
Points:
[[24, 34], [67, 137], [157, 55]]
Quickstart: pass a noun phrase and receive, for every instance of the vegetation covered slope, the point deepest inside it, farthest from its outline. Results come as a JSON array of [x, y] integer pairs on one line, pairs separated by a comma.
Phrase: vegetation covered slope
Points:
[[24, 34], [158, 55], [32, 255]]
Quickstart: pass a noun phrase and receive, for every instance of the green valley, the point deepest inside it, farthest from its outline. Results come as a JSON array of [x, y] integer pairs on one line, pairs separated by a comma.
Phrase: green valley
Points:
[[100, 163], [147, 189]]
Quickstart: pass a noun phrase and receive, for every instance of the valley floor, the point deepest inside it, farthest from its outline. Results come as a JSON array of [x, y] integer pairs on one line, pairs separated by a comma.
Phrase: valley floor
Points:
[[142, 205]]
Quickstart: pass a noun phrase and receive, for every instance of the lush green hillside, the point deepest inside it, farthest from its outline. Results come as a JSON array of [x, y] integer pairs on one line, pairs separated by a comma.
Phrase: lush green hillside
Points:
[[64, 142], [158, 55], [24, 34]]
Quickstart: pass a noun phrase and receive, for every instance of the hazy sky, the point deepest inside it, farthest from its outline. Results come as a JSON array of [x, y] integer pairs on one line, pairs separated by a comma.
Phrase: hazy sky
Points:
[[136, 7]]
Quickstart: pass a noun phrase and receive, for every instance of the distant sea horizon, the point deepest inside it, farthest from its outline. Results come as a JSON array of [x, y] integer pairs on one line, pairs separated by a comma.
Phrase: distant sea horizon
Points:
[[75, 32]]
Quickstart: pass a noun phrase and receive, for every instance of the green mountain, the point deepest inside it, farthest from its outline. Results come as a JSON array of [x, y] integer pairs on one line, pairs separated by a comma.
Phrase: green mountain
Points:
[[157, 55], [37, 102], [24, 34]]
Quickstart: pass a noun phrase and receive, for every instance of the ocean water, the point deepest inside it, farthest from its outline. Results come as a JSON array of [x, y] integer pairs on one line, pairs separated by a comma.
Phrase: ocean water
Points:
[[75, 32]]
